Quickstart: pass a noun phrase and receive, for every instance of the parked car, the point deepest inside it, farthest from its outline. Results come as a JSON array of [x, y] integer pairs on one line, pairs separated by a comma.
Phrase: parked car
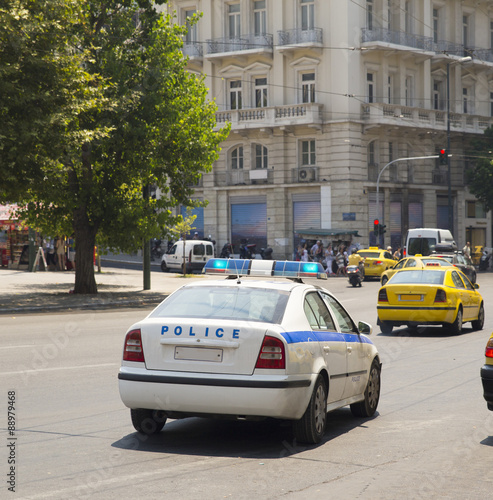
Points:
[[248, 348], [487, 374], [196, 253]]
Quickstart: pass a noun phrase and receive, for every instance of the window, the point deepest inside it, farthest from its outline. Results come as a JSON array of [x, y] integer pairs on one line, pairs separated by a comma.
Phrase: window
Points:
[[234, 20], [345, 323], [237, 158], [260, 92], [408, 17], [308, 87], [307, 14], [491, 103], [465, 31], [259, 17], [389, 15], [491, 35], [308, 153], [409, 90], [191, 35], [465, 100], [235, 94], [371, 153], [371, 87], [317, 313], [389, 89], [437, 86], [435, 25], [475, 210], [261, 157], [369, 14]]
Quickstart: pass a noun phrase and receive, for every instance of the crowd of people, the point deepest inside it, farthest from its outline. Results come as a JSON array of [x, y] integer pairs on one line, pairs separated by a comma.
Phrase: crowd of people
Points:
[[59, 253]]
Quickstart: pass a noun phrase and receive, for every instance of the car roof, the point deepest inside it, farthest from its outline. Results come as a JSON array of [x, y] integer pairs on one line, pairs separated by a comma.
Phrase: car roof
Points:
[[282, 284]]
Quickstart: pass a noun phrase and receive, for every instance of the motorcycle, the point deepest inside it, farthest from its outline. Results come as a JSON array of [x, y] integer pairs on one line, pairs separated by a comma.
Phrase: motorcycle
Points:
[[355, 275], [226, 251], [156, 250], [266, 253], [247, 250]]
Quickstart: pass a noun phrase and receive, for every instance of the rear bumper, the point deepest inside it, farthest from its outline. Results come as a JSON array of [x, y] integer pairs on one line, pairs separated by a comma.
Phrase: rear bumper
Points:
[[416, 315], [277, 396], [487, 381]]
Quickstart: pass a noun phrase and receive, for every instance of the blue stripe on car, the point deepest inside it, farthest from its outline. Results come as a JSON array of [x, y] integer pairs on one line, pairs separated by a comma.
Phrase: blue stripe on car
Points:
[[315, 336]]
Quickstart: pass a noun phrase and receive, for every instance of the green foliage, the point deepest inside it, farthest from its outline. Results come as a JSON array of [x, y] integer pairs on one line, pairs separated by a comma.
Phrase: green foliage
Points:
[[97, 106], [480, 176]]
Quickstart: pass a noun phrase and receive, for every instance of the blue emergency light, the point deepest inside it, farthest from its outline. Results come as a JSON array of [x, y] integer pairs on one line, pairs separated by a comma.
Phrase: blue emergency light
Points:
[[273, 268]]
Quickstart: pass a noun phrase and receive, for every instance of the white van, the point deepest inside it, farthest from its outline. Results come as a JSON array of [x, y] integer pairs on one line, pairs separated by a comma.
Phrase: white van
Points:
[[197, 253], [422, 241]]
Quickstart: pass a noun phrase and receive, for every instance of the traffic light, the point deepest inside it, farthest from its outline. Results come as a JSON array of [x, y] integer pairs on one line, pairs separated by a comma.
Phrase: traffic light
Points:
[[376, 226], [382, 229], [443, 156]]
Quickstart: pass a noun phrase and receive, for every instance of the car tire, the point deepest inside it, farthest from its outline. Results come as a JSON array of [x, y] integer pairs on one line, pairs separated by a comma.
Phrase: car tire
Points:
[[148, 421], [384, 280], [456, 326], [368, 406], [310, 428], [477, 324], [386, 327], [164, 267]]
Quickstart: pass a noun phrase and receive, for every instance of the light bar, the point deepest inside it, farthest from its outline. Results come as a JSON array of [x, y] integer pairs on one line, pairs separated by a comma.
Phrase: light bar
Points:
[[272, 268]]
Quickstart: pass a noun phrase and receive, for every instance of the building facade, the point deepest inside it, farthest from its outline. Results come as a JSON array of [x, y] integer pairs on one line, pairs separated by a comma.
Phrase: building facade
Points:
[[322, 95]]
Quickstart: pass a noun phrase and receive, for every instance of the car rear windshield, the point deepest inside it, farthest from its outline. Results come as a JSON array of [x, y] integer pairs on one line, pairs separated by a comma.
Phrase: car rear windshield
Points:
[[370, 255], [249, 304], [423, 246], [425, 277]]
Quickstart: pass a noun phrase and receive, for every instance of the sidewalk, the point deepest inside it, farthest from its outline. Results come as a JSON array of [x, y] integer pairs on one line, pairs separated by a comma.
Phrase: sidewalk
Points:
[[24, 292]]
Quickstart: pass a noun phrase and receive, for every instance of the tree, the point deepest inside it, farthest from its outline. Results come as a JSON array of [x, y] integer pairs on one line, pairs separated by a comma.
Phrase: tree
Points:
[[132, 117], [480, 176]]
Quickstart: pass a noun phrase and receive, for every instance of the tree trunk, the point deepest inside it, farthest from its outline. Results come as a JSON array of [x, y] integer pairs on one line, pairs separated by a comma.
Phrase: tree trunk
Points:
[[85, 240]]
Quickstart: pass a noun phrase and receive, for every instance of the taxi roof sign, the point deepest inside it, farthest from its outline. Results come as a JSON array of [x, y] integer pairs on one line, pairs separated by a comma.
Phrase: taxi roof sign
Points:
[[265, 268]]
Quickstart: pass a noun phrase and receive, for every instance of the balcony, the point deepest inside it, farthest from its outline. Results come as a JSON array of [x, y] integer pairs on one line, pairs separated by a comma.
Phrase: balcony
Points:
[[276, 116], [246, 44], [243, 177], [380, 114], [299, 38], [378, 36], [193, 50]]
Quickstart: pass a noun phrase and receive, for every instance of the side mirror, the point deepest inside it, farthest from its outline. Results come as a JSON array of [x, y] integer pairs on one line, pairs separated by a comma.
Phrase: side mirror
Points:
[[475, 285], [365, 328]]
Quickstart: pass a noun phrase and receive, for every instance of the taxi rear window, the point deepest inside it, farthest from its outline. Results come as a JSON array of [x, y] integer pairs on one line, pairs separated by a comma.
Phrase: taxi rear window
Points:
[[370, 255], [424, 277], [249, 304]]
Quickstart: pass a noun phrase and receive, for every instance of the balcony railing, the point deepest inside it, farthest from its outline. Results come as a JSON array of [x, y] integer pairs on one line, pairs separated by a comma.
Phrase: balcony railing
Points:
[[243, 177], [192, 49], [393, 114], [276, 116], [397, 38], [300, 36], [245, 42]]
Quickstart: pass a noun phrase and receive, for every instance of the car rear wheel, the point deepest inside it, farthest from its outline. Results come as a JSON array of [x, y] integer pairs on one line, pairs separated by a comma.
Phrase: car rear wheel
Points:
[[148, 421], [478, 323], [456, 326], [386, 327], [311, 427], [368, 406]]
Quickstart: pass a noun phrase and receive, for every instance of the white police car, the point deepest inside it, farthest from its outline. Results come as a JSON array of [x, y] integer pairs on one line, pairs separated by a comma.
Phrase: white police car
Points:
[[245, 349]]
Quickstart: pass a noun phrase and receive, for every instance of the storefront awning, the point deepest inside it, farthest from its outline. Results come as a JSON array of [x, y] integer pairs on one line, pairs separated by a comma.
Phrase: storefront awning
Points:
[[315, 233]]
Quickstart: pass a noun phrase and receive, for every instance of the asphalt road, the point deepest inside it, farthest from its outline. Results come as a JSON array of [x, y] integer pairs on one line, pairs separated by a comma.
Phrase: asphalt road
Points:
[[432, 436]]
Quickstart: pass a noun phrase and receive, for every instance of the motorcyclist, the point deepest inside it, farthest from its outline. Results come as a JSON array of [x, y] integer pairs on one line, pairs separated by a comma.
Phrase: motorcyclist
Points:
[[355, 259]]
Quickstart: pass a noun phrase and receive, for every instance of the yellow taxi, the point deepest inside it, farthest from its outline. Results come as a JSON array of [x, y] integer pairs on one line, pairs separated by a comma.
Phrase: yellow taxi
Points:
[[430, 296], [376, 261], [414, 262], [487, 374]]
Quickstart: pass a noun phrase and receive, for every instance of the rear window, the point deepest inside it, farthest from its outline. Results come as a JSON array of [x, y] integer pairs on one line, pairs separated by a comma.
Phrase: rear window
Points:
[[425, 277], [251, 304], [423, 246], [370, 255]]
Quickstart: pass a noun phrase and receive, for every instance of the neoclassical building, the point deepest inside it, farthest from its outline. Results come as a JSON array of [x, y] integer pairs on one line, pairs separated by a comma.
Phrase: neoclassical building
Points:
[[322, 95]]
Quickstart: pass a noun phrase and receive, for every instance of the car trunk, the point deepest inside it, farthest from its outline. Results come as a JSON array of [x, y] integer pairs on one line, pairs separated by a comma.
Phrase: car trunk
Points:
[[203, 346], [402, 295]]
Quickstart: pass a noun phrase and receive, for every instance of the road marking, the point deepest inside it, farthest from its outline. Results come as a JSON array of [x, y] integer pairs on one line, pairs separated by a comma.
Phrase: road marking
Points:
[[59, 368]]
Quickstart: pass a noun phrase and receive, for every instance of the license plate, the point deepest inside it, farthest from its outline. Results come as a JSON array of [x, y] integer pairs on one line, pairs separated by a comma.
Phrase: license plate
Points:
[[411, 297], [199, 354]]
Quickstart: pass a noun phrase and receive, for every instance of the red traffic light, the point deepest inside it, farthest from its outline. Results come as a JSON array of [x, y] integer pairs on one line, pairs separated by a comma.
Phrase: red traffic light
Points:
[[375, 222], [442, 151]]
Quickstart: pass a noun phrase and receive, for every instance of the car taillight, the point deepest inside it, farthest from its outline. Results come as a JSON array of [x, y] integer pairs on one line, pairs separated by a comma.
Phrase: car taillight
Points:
[[133, 350], [382, 295], [489, 349], [272, 354], [440, 296], [378, 262]]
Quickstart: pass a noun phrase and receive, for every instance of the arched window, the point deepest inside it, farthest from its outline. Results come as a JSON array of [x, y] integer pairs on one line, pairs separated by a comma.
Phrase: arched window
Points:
[[261, 156], [237, 158]]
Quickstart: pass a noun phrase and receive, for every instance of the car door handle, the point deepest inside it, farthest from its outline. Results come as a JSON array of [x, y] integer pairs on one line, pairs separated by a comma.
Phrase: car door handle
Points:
[[349, 350]]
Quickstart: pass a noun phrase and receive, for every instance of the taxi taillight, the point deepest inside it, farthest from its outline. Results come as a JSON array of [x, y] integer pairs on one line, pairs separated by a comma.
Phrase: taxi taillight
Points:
[[489, 349], [272, 354], [132, 350], [378, 262], [440, 296], [382, 295]]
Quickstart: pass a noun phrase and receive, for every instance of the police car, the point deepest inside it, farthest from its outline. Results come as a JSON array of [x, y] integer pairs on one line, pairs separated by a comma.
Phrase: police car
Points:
[[245, 348]]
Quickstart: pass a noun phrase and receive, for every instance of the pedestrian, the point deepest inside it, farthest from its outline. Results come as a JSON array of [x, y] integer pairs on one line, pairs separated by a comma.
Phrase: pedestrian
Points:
[[304, 254], [195, 236], [329, 260], [60, 253], [467, 249], [341, 262], [397, 254], [314, 250], [50, 253]]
